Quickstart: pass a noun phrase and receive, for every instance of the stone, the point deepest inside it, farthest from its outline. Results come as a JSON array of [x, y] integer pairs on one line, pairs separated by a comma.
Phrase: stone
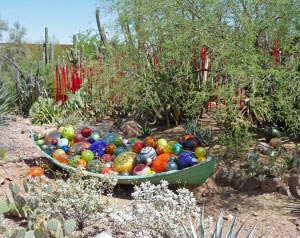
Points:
[[264, 148], [224, 177], [270, 184], [131, 129], [294, 185], [246, 184], [275, 143], [284, 190], [103, 235], [228, 217]]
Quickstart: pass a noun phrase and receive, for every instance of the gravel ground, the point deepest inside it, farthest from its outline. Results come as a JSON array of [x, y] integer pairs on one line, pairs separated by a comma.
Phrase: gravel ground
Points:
[[266, 210]]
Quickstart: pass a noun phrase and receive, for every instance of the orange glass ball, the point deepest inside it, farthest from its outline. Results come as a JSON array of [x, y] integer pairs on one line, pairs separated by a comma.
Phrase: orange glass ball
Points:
[[150, 141], [110, 149], [35, 171], [65, 159], [81, 163], [159, 163]]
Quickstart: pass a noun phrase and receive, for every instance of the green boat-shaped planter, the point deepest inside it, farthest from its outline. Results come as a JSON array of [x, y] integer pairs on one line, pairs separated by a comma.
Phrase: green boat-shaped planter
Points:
[[194, 175]]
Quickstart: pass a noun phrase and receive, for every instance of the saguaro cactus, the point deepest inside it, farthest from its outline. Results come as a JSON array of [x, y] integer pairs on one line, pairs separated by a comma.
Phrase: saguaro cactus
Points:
[[73, 54], [46, 46]]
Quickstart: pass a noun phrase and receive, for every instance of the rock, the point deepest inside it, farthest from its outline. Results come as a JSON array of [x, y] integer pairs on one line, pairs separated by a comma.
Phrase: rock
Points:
[[264, 148], [294, 184], [228, 217], [224, 177], [284, 190], [275, 143], [270, 184], [131, 129], [103, 235], [246, 184]]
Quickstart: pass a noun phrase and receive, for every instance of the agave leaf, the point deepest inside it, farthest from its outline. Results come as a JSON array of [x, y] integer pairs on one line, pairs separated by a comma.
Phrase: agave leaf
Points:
[[231, 228], [186, 231], [239, 230], [202, 225], [218, 230], [251, 232], [193, 228]]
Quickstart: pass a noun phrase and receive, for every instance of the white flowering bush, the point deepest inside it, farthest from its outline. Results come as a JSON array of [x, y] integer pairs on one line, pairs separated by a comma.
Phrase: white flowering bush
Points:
[[78, 197], [156, 211]]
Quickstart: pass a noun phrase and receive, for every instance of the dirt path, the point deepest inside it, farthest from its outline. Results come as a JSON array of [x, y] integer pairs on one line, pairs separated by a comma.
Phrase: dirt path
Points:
[[266, 210]]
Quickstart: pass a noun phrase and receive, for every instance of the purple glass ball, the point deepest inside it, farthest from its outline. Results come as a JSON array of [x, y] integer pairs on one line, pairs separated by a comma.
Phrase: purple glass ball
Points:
[[184, 160]]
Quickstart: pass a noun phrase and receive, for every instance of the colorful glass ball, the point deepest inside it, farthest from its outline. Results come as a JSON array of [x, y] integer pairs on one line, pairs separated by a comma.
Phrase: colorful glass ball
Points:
[[77, 148], [137, 147], [109, 138], [141, 169], [107, 158], [191, 142], [62, 142], [172, 165], [86, 132], [68, 132], [184, 159], [98, 148], [177, 148], [159, 163], [150, 141], [96, 136], [110, 149], [52, 135], [78, 138], [124, 162], [147, 154]]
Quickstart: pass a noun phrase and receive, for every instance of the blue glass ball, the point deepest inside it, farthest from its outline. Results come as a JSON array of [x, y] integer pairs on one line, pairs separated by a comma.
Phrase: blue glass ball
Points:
[[194, 161], [65, 148], [109, 138], [91, 140], [119, 150], [184, 159], [98, 148]]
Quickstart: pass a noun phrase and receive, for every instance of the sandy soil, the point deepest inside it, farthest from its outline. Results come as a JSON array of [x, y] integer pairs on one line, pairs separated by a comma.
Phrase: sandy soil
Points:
[[266, 210]]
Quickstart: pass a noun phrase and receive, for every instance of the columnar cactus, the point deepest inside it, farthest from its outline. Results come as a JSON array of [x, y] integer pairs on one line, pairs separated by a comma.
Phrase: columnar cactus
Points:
[[46, 46], [73, 54]]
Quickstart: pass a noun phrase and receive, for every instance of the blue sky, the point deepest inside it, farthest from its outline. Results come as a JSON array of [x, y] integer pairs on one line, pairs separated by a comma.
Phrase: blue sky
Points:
[[62, 17]]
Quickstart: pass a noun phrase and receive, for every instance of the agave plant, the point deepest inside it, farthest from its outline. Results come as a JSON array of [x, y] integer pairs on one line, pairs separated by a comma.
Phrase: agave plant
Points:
[[6, 100], [194, 127], [45, 111], [196, 230]]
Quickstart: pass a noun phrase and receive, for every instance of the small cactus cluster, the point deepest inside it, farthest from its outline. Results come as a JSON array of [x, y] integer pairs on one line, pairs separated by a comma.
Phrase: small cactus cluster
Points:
[[52, 228]]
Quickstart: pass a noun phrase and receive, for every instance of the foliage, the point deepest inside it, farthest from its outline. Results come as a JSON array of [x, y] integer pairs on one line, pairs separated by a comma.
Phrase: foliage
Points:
[[77, 197], [55, 208], [194, 127], [274, 165], [161, 212], [45, 111], [7, 100]]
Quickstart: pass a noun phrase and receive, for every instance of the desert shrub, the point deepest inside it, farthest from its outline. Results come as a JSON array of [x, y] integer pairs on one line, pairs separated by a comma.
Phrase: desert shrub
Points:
[[157, 211], [78, 197]]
